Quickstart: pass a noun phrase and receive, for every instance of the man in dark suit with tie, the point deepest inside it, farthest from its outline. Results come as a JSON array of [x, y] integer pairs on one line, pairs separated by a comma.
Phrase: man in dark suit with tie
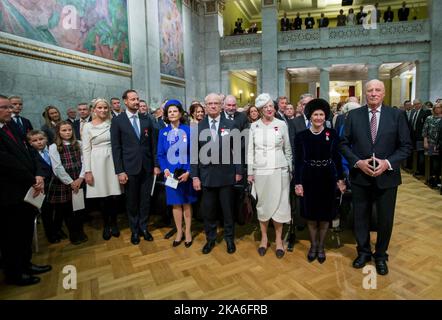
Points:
[[116, 107], [309, 22], [417, 125], [388, 15], [19, 171], [84, 113], [375, 142], [297, 22], [211, 174], [403, 12], [231, 113], [72, 115], [134, 145], [285, 23], [22, 124], [323, 21]]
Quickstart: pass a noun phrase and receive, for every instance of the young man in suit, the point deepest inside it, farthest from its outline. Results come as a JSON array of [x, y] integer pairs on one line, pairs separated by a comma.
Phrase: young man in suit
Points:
[[18, 173], [388, 15], [116, 107], [22, 124], [134, 149], [212, 175], [376, 140]]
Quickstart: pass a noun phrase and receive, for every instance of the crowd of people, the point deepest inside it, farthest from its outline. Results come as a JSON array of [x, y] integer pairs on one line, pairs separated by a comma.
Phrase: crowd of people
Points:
[[311, 152], [349, 19]]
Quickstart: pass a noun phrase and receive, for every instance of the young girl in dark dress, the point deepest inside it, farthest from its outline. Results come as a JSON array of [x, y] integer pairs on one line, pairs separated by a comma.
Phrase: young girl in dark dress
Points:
[[66, 160], [318, 172]]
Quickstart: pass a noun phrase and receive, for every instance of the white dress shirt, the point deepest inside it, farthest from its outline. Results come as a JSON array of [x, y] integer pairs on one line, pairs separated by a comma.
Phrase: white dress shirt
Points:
[[137, 118], [57, 166]]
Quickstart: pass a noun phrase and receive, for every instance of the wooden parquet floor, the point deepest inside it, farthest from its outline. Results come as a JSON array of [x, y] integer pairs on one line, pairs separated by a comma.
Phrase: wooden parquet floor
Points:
[[116, 269]]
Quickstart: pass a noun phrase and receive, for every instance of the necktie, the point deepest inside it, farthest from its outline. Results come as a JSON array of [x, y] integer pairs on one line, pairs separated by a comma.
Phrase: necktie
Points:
[[19, 122], [82, 122], [135, 125], [373, 125], [9, 133], [416, 114], [213, 129], [46, 157]]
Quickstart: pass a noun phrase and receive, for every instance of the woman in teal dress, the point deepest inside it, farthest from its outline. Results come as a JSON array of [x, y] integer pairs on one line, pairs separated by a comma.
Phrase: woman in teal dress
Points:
[[174, 159]]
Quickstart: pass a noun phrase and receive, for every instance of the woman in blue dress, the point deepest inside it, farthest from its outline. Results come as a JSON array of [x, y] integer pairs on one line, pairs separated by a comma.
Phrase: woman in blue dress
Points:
[[174, 159]]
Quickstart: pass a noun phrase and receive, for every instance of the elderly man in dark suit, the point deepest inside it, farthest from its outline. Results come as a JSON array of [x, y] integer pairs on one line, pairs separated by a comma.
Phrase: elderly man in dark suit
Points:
[[231, 113], [375, 142], [19, 171], [211, 173], [22, 124], [134, 145]]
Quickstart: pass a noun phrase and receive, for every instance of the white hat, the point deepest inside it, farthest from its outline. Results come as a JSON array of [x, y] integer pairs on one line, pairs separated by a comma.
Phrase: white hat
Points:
[[350, 106], [262, 100]]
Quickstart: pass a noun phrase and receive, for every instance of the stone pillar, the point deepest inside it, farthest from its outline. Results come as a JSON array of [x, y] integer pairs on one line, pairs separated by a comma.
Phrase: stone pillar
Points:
[[423, 81], [225, 82], [435, 68], [372, 73], [189, 74], [212, 24], [282, 83], [312, 88], [404, 85], [139, 51], [324, 86], [269, 14]]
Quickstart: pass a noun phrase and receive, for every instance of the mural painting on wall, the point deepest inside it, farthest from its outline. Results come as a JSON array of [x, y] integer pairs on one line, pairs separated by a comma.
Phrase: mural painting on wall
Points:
[[171, 37], [97, 27]]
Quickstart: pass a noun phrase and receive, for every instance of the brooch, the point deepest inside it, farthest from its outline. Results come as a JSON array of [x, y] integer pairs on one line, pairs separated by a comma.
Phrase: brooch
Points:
[[327, 134], [146, 132]]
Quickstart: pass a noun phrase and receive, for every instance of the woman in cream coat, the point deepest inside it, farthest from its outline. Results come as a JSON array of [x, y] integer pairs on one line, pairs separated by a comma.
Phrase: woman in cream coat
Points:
[[102, 182], [269, 167]]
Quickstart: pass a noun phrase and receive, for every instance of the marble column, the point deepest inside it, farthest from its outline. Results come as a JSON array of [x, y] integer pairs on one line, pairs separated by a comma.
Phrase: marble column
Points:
[[225, 82], [324, 86], [435, 68], [212, 33], [312, 88], [269, 14], [139, 51], [372, 73], [282, 83], [423, 81], [404, 85]]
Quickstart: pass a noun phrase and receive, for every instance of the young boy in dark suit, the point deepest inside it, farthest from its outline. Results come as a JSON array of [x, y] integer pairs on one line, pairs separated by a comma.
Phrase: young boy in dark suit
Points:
[[38, 140]]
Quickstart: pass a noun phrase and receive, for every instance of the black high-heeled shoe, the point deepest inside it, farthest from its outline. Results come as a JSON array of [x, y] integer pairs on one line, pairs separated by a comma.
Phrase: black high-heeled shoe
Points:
[[312, 254], [262, 250], [321, 255], [188, 244], [177, 243]]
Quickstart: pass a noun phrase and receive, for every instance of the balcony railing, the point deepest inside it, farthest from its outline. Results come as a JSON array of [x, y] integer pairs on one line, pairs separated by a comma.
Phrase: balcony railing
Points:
[[384, 33], [244, 41]]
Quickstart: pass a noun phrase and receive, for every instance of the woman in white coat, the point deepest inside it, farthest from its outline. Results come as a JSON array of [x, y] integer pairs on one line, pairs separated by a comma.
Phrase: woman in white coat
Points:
[[269, 168], [102, 182]]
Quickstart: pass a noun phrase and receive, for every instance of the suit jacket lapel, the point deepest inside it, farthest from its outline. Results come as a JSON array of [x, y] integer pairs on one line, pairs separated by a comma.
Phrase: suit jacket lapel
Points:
[[18, 148], [382, 122]]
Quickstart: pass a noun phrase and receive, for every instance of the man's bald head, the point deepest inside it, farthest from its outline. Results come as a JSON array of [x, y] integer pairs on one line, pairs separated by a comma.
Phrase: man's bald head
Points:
[[230, 105]]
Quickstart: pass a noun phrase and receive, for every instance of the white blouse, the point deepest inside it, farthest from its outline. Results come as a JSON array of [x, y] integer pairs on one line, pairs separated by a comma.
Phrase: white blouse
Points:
[[57, 166]]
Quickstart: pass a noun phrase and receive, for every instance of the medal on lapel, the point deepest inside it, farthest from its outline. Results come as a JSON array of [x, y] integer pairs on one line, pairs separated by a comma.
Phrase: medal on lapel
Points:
[[327, 134], [276, 130], [146, 132]]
